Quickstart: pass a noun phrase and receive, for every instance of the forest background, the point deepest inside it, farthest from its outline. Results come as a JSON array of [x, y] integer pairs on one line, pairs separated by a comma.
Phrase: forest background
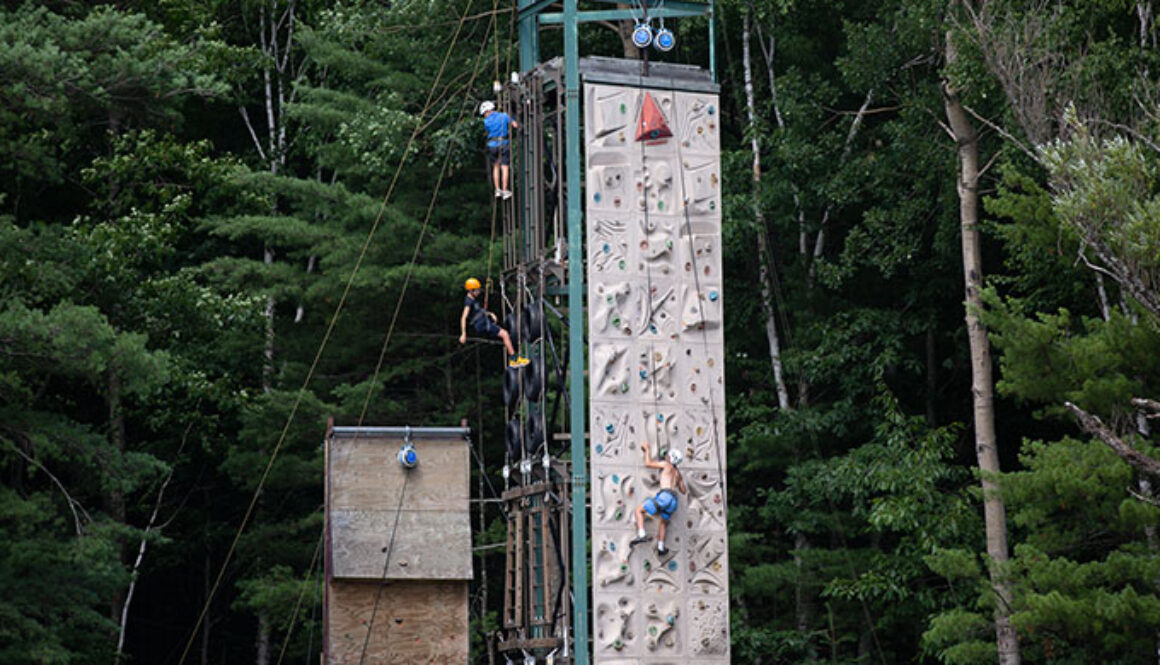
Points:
[[192, 191]]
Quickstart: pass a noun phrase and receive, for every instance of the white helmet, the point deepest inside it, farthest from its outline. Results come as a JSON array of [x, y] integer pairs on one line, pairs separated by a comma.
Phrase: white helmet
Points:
[[486, 106], [675, 456]]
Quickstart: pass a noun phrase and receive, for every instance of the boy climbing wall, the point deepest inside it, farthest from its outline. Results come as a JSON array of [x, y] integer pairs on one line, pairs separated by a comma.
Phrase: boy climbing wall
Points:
[[498, 146], [664, 503], [483, 322]]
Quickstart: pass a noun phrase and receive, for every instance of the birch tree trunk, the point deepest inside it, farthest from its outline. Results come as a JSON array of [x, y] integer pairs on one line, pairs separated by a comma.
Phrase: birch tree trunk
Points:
[[262, 643], [765, 260], [276, 28], [982, 385]]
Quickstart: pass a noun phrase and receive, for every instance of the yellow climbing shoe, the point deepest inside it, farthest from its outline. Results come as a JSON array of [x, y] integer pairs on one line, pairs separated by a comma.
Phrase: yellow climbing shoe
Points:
[[518, 361]]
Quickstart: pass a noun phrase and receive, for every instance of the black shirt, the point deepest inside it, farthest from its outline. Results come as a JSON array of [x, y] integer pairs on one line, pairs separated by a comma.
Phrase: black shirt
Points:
[[476, 312]]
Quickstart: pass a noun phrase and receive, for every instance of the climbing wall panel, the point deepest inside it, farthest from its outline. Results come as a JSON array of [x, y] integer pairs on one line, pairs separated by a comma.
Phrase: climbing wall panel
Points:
[[398, 547], [653, 219]]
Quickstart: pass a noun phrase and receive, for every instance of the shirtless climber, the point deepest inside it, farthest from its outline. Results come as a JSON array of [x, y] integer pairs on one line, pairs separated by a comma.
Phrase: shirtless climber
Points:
[[484, 323], [664, 501]]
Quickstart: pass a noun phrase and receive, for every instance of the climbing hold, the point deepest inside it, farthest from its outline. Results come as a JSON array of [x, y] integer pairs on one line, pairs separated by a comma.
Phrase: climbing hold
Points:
[[652, 124]]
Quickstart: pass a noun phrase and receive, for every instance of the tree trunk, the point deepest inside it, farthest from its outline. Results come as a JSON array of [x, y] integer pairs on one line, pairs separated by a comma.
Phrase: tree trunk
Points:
[[931, 377], [1144, 15], [268, 345], [207, 585], [803, 600], [982, 386], [765, 259], [262, 643], [115, 500]]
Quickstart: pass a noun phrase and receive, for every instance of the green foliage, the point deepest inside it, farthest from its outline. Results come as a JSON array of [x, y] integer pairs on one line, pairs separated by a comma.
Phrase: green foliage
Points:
[[165, 285], [1087, 574], [63, 79]]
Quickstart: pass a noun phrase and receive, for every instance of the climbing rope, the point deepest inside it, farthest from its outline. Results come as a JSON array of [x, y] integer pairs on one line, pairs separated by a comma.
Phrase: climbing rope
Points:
[[321, 347], [298, 603], [383, 577], [387, 341]]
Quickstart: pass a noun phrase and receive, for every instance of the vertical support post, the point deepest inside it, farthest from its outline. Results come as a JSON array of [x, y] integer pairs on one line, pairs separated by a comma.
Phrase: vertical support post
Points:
[[576, 321], [713, 39], [529, 41]]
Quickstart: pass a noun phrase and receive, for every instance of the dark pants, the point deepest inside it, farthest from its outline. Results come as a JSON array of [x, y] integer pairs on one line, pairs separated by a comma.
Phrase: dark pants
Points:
[[501, 154]]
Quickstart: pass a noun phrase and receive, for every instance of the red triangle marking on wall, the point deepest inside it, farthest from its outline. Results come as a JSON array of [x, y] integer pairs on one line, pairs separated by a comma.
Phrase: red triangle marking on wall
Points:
[[652, 124]]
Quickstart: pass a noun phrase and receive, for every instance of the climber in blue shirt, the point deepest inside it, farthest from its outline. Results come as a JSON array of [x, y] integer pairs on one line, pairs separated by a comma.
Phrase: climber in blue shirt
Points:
[[498, 146]]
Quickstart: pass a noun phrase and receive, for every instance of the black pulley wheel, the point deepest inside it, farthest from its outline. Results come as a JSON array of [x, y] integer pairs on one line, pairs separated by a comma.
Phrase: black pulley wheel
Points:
[[533, 321], [535, 434], [511, 386], [534, 380], [511, 438], [513, 324]]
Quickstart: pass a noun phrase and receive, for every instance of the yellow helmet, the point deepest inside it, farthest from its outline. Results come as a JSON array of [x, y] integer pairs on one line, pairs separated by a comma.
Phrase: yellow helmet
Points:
[[471, 284]]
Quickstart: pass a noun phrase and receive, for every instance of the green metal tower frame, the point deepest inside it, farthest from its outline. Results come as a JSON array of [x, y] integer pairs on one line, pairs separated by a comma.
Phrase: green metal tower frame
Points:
[[532, 16]]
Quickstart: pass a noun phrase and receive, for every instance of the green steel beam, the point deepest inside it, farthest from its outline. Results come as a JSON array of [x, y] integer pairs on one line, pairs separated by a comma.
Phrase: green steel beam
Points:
[[576, 320], [529, 42], [713, 39], [681, 4], [535, 6], [667, 11]]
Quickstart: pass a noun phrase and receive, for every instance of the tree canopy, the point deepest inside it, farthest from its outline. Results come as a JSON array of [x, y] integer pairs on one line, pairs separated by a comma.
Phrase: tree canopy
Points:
[[222, 223]]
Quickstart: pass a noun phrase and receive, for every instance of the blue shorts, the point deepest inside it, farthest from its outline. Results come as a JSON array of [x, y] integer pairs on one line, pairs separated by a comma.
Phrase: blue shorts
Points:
[[665, 502], [500, 153], [485, 326]]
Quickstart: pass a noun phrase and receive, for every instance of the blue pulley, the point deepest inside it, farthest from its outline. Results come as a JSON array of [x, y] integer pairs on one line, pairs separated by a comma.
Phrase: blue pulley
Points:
[[408, 457], [642, 35], [665, 41]]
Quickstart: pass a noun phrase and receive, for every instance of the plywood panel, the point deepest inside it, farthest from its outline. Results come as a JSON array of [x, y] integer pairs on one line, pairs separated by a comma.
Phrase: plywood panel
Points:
[[415, 623], [367, 488], [656, 368], [428, 545], [365, 475]]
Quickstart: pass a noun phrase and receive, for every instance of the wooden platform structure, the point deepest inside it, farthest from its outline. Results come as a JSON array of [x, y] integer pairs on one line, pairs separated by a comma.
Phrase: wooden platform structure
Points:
[[398, 547]]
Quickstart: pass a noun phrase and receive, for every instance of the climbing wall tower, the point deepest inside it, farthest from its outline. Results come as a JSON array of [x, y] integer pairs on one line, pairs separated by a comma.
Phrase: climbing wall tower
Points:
[[656, 371]]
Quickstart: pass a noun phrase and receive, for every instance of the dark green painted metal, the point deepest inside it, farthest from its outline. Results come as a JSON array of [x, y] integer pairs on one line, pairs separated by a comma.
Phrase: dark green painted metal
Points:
[[625, 14], [713, 39], [576, 321], [531, 17]]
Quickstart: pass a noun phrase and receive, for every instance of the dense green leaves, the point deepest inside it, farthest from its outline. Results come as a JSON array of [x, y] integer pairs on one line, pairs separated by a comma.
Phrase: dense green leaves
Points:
[[183, 208]]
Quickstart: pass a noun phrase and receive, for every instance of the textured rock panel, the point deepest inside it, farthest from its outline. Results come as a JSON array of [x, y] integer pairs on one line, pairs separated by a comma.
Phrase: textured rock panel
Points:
[[656, 375]]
